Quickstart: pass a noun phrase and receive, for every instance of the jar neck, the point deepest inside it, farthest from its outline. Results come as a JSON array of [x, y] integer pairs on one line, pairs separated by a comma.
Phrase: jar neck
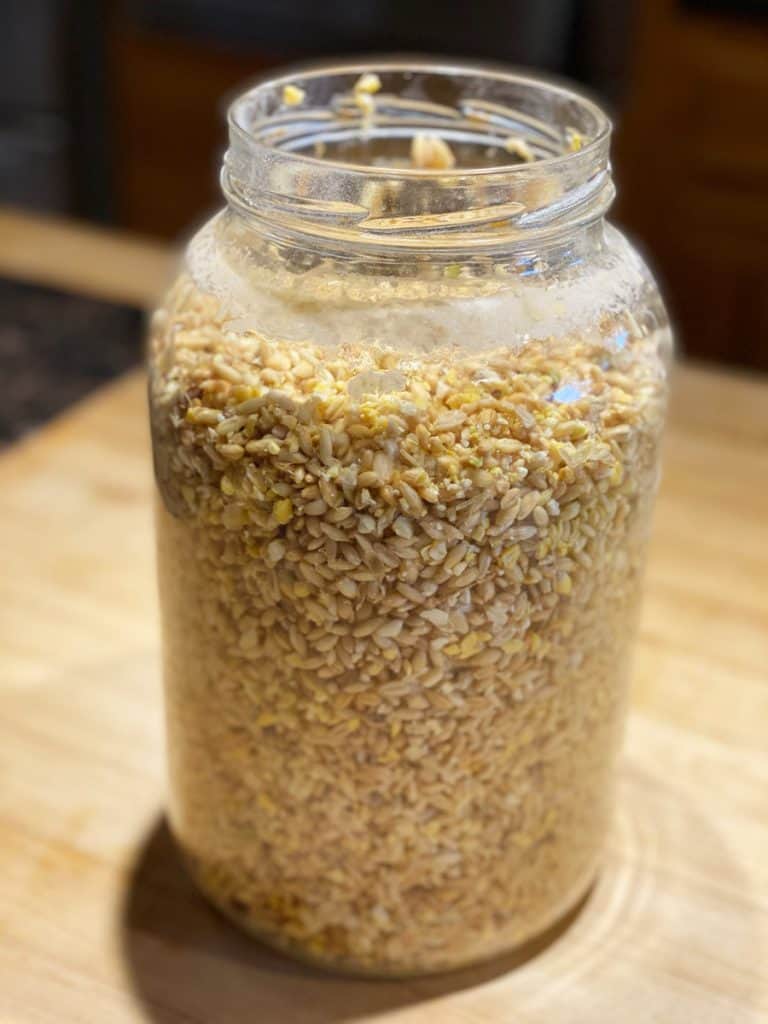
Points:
[[524, 162]]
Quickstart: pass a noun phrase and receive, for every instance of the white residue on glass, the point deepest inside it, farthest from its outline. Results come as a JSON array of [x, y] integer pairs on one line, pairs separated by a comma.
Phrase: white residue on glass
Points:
[[376, 382]]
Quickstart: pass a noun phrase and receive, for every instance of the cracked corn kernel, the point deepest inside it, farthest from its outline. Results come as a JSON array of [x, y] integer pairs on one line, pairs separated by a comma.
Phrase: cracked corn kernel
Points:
[[510, 555], [563, 583], [513, 646], [293, 96], [471, 643], [196, 414], [573, 430], [283, 511]]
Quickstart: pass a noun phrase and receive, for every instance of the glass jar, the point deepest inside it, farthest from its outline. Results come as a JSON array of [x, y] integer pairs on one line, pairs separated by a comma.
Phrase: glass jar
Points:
[[406, 426]]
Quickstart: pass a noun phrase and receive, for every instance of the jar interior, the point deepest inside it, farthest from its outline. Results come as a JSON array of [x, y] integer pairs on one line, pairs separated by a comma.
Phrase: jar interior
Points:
[[476, 113], [337, 150]]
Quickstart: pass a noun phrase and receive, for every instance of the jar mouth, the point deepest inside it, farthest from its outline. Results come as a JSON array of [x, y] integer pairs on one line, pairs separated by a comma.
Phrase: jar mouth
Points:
[[333, 145]]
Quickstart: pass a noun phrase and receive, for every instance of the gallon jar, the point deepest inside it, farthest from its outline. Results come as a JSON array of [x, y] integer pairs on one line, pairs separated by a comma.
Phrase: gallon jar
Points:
[[407, 397]]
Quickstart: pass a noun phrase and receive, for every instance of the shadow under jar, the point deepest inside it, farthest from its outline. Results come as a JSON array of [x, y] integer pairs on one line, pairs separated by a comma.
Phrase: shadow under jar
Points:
[[407, 397]]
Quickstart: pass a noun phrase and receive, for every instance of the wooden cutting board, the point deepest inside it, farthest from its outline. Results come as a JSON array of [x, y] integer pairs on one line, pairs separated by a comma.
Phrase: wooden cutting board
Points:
[[97, 923]]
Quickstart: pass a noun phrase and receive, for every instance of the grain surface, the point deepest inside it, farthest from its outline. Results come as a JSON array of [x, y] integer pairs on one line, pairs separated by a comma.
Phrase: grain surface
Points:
[[399, 597]]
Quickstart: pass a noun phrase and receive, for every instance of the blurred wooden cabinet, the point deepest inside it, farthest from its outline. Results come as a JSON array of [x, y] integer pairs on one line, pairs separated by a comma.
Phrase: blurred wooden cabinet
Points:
[[170, 94], [692, 165]]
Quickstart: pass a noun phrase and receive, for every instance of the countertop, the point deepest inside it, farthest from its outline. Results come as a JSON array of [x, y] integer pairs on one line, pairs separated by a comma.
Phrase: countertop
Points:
[[97, 922]]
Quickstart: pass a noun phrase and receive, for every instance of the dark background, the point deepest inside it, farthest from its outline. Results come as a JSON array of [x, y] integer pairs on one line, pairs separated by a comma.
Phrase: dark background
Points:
[[113, 111]]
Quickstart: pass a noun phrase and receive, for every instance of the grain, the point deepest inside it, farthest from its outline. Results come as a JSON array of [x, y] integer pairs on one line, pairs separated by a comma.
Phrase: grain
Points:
[[369, 82], [293, 96], [431, 153], [396, 629], [519, 148]]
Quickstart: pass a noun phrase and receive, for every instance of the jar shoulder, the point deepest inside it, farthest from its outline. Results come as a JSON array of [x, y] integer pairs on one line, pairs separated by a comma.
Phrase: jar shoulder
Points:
[[512, 299]]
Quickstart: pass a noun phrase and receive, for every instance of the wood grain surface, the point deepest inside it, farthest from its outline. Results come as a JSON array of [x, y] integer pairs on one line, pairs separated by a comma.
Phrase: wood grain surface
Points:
[[71, 255], [97, 922]]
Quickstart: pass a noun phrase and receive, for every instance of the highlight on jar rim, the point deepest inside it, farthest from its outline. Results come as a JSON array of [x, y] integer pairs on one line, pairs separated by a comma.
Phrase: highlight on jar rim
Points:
[[407, 396]]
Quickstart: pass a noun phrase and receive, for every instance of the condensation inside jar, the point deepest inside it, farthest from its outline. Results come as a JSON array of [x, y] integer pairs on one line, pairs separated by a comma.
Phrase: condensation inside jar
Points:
[[524, 300], [404, 507]]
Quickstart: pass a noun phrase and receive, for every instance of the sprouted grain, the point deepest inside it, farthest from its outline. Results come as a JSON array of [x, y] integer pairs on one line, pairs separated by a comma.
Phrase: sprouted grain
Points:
[[431, 153], [293, 96], [520, 148]]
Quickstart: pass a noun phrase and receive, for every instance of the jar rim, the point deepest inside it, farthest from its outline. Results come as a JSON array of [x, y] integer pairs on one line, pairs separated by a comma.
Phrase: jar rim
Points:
[[481, 107], [299, 73]]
